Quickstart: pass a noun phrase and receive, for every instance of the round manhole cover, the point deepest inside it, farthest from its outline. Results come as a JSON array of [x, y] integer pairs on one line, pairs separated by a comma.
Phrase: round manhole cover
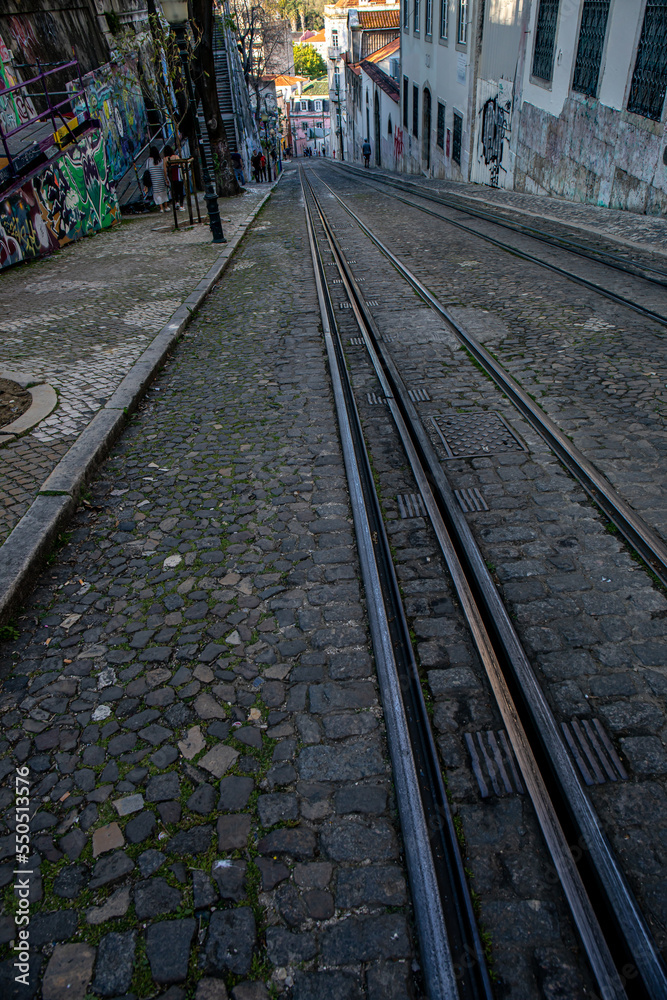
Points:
[[14, 401]]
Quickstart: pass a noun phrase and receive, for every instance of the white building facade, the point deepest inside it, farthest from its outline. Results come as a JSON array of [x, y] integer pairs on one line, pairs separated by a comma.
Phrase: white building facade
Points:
[[563, 97], [352, 30]]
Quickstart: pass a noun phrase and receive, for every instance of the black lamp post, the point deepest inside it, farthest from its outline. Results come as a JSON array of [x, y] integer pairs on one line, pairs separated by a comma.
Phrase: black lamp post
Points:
[[176, 13]]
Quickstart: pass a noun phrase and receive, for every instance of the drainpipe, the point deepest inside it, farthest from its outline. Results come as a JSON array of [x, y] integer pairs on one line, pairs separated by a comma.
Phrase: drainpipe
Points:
[[472, 109]]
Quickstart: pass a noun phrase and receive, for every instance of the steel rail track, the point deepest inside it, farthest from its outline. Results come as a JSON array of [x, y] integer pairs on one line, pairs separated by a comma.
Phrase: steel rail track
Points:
[[452, 953], [607, 899], [551, 239], [640, 536], [524, 255]]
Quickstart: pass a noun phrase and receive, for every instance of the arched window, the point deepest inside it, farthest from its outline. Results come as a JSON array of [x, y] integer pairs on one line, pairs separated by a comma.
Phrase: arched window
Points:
[[390, 130]]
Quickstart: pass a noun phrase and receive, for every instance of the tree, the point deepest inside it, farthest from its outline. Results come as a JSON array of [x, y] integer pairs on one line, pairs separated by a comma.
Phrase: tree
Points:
[[261, 34], [308, 62], [205, 83]]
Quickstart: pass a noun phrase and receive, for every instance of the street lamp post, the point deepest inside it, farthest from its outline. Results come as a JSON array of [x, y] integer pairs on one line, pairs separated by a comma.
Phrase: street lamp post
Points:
[[176, 13]]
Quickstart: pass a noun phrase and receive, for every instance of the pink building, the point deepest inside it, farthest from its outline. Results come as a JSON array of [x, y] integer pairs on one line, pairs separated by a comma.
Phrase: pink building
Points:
[[310, 123]]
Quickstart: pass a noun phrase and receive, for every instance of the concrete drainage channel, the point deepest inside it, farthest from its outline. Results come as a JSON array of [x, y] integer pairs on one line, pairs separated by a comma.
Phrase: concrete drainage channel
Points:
[[28, 544]]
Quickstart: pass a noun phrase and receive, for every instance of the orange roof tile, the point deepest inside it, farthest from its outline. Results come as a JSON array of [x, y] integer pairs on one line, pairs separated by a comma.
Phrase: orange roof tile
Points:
[[379, 18], [290, 81], [386, 51]]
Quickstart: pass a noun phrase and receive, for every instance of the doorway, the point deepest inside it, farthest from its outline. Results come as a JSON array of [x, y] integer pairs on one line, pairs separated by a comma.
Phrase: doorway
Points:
[[378, 159], [426, 131]]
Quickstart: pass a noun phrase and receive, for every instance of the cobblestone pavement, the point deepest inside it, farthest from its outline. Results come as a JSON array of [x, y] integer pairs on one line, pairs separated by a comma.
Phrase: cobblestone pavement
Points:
[[589, 617], [79, 320], [646, 231], [598, 369], [192, 691]]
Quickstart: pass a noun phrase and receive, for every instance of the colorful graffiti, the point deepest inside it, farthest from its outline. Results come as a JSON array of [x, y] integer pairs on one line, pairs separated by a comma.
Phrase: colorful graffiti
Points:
[[62, 202], [16, 107], [115, 98]]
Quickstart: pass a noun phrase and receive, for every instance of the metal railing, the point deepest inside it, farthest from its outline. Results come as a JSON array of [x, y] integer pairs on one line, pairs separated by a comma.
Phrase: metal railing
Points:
[[53, 111]]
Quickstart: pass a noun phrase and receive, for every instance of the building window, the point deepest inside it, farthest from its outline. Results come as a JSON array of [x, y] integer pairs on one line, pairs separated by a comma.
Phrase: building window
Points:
[[405, 102], [456, 138], [462, 25], [444, 11], [647, 92], [318, 105], [428, 30], [334, 39], [592, 34], [336, 79], [390, 130], [415, 23], [415, 111], [545, 39], [440, 131], [406, 14]]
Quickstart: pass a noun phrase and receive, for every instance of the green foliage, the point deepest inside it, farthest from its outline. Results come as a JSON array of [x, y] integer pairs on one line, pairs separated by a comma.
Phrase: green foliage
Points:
[[8, 632], [308, 62]]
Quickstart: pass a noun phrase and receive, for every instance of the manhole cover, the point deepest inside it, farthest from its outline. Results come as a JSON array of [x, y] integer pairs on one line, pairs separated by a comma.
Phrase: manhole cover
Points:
[[467, 435], [14, 401]]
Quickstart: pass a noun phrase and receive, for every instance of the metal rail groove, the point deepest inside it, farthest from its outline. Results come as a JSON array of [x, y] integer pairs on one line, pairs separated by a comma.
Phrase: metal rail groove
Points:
[[435, 868], [551, 239], [531, 258], [643, 539], [616, 906]]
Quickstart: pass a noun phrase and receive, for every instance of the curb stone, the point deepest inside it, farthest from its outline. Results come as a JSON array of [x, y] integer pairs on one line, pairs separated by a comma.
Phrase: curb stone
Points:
[[23, 552]]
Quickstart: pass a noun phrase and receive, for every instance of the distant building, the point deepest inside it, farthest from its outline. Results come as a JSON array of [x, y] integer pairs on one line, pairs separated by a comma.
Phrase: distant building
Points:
[[542, 96], [353, 31], [317, 39], [310, 120]]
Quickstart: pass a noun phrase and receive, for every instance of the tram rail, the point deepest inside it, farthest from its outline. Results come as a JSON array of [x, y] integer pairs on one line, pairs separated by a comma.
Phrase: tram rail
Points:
[[612, 929], [535, 234]]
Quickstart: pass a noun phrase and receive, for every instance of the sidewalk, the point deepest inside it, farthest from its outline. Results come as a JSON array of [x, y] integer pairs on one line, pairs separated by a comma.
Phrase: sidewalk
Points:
[[192, 689], [80, 319], [648, 232]]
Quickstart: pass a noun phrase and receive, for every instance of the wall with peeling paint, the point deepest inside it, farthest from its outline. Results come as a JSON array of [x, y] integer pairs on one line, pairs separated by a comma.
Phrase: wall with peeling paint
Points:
[[592, 153]]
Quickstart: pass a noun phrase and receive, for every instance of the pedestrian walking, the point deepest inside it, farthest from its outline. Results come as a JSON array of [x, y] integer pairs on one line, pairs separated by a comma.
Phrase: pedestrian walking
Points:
[[237, 164], [366, 150], [262, 166], [156, 173], [172, 176], [255, 163]]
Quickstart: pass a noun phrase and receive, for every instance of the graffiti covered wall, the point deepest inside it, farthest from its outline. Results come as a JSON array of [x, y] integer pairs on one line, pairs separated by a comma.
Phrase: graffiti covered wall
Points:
[[115, 98], [17, 106], [59, 203]]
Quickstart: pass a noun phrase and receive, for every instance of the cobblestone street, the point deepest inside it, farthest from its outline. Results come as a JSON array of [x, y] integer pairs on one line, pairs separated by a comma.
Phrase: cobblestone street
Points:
[[80, 319], [192, 682], [193, 691]]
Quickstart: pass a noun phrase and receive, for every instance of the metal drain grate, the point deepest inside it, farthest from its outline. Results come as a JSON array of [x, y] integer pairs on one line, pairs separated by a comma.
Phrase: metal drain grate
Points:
[[593, 752], [493, 763], [467, 435], [470, 500], [330, 263], [419, 396], [372, 302], [344, 305], [374, 400], [386, 339], [357, 342], [410, 505]]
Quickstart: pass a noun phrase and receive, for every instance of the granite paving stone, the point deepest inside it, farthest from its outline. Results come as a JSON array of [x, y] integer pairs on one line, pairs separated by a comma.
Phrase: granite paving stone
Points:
[[208, 660]]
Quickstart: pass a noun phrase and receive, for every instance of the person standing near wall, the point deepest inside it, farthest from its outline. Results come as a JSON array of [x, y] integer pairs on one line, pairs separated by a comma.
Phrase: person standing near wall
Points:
[[172, 176], [156, 171]]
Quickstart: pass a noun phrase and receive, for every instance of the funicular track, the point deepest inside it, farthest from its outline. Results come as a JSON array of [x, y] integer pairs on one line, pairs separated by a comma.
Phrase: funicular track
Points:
[[649, 275], [611, 927]]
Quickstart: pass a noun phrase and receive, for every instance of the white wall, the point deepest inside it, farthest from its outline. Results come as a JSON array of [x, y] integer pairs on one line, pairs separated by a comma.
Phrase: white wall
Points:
[[445, 67]]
